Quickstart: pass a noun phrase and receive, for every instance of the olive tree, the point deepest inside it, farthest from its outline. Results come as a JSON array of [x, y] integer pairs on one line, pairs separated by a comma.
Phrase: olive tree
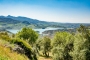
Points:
[[62, 44], [28, 34], [46, 46], [82, 44]]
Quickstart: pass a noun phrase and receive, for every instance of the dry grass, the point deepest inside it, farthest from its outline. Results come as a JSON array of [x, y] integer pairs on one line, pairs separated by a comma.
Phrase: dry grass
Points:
[[7, 54]]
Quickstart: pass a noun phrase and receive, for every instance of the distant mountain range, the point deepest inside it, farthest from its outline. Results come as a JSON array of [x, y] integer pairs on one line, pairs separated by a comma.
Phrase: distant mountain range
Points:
[[12, 22], [23, 19]]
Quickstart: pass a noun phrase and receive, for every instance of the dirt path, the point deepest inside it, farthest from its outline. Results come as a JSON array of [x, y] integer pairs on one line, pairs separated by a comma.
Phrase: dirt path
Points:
[[43, 58]]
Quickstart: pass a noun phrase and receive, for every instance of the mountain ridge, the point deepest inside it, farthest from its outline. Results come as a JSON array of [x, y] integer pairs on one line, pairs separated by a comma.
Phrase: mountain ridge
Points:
[[20, 21]]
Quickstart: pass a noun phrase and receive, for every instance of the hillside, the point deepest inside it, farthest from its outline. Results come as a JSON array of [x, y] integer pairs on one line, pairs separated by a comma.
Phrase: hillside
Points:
[[12, 48], [7, 54], [20, 18], [27, 45], [12, 22], [9, 21]]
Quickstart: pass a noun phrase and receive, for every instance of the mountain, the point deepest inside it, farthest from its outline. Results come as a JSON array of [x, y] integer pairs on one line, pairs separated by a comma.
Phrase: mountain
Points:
[[19, 22], [20, 18], [9, 21]]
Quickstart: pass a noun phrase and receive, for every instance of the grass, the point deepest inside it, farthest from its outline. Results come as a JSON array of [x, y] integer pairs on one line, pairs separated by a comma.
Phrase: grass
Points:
[[23, 44], [7, 54]]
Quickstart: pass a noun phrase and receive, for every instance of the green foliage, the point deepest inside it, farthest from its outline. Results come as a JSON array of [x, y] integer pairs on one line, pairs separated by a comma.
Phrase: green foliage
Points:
[[4, 36], [69, 47], [38, 45], [28, 34], [82, 44], [80, 48], [62, 45], [46, 46], [22, 43], [65, 46]]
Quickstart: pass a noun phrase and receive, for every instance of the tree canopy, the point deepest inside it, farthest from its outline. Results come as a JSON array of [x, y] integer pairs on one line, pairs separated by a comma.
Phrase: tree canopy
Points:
[[27, 34]]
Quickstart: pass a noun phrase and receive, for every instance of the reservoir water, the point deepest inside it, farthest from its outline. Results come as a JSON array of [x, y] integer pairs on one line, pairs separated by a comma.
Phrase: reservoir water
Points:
[[39, 30]]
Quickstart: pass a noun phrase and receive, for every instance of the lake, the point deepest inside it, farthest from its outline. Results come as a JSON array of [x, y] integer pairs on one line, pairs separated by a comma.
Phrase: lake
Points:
[[39, 30]]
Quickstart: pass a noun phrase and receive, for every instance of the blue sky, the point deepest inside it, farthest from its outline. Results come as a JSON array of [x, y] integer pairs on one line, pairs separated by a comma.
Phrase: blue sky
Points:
[[72, 11]]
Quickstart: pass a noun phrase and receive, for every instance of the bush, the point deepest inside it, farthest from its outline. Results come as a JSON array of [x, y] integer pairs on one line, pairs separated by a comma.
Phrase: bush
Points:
[[27, 48], [4, 36]]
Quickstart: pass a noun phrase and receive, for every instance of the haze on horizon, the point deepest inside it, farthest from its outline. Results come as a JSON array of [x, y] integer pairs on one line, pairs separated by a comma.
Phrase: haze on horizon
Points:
[[71, 11]]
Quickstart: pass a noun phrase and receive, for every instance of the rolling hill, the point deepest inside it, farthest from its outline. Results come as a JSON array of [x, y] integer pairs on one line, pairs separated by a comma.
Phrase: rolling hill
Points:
[[12, 22]]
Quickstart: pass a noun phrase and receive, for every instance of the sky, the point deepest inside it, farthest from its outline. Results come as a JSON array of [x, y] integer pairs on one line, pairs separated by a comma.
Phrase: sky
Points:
[[66, 11]]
